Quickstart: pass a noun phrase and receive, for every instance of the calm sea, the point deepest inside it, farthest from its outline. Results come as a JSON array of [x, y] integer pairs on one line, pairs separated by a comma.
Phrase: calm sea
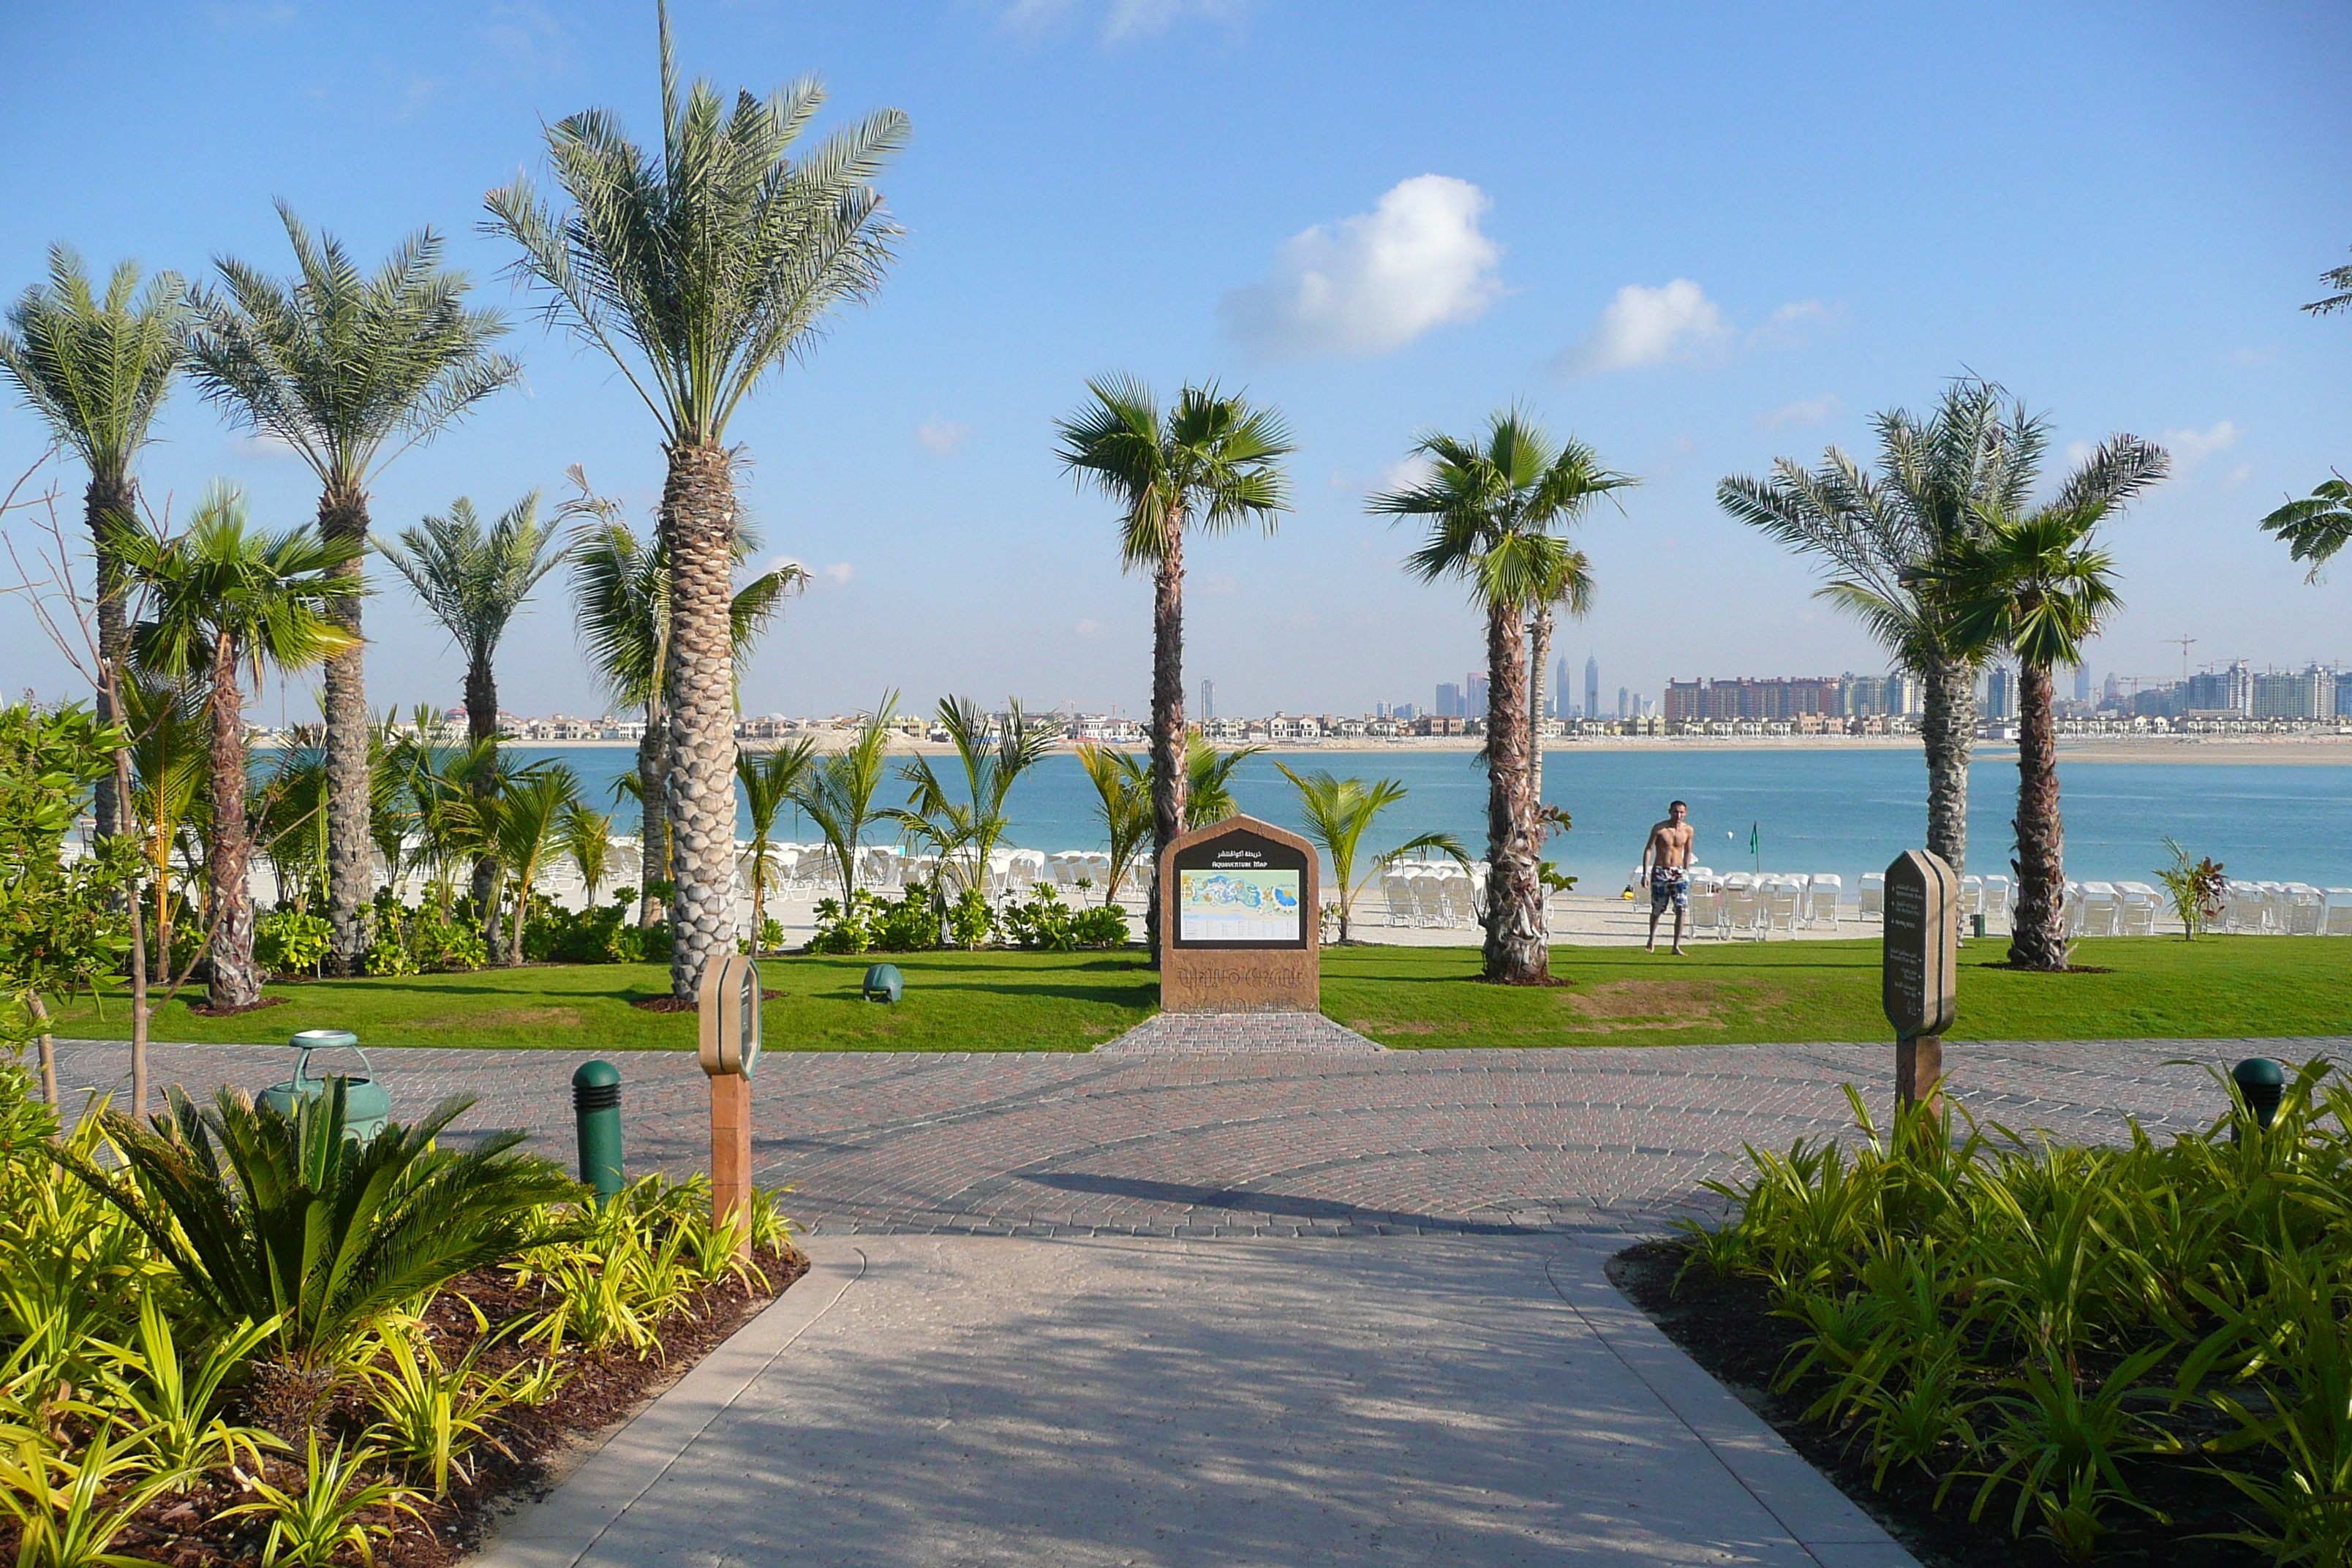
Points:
[[1843, 812]]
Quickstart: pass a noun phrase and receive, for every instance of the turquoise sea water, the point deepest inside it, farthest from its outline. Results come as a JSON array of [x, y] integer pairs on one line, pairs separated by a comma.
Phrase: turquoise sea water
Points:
[[1843, 812]]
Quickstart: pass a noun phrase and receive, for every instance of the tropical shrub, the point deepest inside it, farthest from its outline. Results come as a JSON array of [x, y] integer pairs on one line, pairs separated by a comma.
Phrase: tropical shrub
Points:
[[2041, 1329], [291, 942], [2197, 888], [310, 1528], [1043, 922]]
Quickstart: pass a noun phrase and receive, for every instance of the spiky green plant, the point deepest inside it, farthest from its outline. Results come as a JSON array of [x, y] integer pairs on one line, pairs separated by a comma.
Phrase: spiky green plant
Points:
[[1338, 812]]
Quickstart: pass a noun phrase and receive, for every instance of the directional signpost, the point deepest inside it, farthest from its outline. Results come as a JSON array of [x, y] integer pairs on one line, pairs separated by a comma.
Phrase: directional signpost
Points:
[[729, 1005], [1920, 969]]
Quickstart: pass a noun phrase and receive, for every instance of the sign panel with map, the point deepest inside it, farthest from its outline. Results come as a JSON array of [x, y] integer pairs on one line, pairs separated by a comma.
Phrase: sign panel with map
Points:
[[1240, 891]]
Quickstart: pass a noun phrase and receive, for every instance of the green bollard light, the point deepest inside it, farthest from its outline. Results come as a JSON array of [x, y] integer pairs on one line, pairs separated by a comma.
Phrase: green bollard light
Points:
[[597, 1107], [2261, 1081]]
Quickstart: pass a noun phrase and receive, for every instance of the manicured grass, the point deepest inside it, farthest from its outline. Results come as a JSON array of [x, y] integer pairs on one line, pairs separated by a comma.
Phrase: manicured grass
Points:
[[954, 1002], [2158, 988], [1730, 992]]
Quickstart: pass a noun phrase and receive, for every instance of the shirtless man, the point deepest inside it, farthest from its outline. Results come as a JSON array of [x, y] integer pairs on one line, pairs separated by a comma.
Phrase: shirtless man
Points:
[[1666, 864]]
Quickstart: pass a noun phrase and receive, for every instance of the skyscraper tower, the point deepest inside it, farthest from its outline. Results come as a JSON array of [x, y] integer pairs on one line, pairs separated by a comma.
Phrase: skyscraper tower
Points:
[[1208, 700], [1560, 690], [1592, 686]]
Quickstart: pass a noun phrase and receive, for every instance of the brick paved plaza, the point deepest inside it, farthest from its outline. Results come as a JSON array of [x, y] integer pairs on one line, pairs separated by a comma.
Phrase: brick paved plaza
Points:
[[1202, 1142]]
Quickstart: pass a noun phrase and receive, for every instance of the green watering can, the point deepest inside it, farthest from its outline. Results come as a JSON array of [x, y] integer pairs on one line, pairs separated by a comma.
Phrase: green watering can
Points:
[[366, 1106]]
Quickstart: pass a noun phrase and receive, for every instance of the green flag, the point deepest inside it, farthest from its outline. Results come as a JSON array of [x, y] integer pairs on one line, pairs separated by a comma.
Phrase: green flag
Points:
[[1754, 839]]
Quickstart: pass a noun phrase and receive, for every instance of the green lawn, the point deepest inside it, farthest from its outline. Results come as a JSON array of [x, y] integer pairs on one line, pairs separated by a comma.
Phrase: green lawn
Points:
[[1723, 994]]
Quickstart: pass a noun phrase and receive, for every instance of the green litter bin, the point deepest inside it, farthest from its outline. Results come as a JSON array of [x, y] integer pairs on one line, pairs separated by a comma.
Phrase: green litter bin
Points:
[[366, 1106], [885, 984]]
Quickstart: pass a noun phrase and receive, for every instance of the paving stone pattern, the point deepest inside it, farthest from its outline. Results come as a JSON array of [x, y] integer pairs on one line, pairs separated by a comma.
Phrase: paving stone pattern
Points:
[[1215, 1031], [1223, 1142]]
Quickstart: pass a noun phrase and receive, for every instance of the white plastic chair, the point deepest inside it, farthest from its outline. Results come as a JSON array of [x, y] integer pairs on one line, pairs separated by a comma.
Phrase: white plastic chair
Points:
[[1780, 898], [2337, 921], [1826, 893], [1396, 892], [2143, 906], [2101, 909], [1971, 896], [2307, 910], [2001, 898], [1874, 895]]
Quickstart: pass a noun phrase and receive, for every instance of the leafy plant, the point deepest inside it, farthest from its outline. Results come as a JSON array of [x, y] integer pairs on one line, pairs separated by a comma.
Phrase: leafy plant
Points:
[[290, 941], [68, 1512], [174, 1401], [310, 1529], [429, 1415], [2197, 888]]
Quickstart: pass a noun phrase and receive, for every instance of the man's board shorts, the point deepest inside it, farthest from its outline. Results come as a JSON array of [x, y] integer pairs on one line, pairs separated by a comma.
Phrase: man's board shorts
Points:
[[1668, 885]]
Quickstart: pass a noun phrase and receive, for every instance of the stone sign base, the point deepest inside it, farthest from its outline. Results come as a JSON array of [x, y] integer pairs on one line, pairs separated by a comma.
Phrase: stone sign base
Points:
[[1249, 954]]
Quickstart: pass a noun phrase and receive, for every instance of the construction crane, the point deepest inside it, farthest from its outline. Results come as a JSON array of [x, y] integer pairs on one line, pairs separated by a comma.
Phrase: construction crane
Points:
[[2185, 642]]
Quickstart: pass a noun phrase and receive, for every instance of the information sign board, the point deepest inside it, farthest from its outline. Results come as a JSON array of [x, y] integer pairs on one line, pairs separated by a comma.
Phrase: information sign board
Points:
[[1922, 944], [1240, 891]]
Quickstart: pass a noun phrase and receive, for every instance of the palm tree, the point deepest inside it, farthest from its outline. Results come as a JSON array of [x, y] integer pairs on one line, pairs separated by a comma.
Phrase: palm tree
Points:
[[1208, 781], [532, 809], [768, 782], [1122, 804], [2315, 528], [1493, 507], [837, 795], [2036, 586], [349, 372], [96, 370], [1338, 811], [966, 833], [696, 270], [170, 752], [473, 583], [588, 840], [224, 601], [1209, 462], [1881, 537], [622, 588], [1572, 591]]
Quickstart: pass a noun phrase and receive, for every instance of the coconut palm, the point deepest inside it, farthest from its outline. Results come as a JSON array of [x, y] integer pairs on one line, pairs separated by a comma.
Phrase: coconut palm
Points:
[[1122, 804], [1338, 812], [768, 780], [2036, 586], [1208, 462], [532, 809], [965, 834], [837, 795], [1495, 507], [1880, 537], [621, 588], [225, 600], [96, 370], [1208, 781], [588, 840], [1571, 590], [2315, 528], [697, 269], [348, 371], [472, 582]]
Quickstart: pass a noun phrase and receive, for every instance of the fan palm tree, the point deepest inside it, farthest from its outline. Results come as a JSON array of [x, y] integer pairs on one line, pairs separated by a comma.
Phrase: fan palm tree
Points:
[[1571, 591], [472, 582], [621, 586], [768, 782], [1208, 462], [1495, 507], [225, 600], [2315, 528], [696, 270], [1208, 781], [1338, 812], [2035, 586], [1881, 536], [965, 833], [837, 795], [96, 370], [348, 371], [1122, 804]]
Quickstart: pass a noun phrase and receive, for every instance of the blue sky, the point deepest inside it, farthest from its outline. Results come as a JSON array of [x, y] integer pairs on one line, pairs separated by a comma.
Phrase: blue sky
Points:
[[1697, 237]]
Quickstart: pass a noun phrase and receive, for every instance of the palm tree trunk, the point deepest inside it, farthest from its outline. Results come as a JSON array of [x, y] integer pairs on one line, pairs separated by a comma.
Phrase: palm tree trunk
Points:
[[698, 527], [1168, 777], [1948, 729], [235, 979], [2038, 932], [481, 724], [653, 787], [350, 879], [1517, 953], [1538, 651], [108, 498]]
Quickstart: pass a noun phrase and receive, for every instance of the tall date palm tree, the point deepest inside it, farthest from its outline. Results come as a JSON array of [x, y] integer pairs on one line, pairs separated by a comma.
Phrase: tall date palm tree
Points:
[[1494, 508], [96, 368], [1208, 462], [697, 269], [349, 370], [225, 602]]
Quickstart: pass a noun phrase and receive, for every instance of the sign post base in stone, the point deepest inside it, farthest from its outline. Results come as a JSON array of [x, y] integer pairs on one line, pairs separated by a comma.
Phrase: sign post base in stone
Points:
[[1240, 921], [1919, 969]]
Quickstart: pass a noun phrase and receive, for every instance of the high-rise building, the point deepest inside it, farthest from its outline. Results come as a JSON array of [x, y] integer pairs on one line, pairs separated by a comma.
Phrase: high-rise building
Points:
[[1591, 686], [1208, 702], [1476, 707], [1560, 684], [1624, 704], [2229, 690], [2000, 692], [2083, 684], [1449, 704], [2286, 694]]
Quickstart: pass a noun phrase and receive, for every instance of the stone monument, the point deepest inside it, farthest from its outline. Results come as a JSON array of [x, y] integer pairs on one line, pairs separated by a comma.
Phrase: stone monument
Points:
[[1240, 919], [1919, 972]]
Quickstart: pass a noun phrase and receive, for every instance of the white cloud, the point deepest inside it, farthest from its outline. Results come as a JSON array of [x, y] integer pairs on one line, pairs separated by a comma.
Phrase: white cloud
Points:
[[2190, 448], [260, 444], [1649, 326], [1409, 470], [1793, 325], [1090, 628], [1124, 21], [941, 436], [1375, 282], [2255, 356], [526, 38], [1807, 411], [838, 574]]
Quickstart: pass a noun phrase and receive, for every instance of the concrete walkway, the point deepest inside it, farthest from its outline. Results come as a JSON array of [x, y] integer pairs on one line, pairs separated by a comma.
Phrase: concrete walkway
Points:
[[921, 1401]]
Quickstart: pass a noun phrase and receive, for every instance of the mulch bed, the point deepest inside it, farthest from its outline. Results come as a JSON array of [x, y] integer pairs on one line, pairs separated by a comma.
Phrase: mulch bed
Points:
[[603, 1391], [1727, 1326]]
